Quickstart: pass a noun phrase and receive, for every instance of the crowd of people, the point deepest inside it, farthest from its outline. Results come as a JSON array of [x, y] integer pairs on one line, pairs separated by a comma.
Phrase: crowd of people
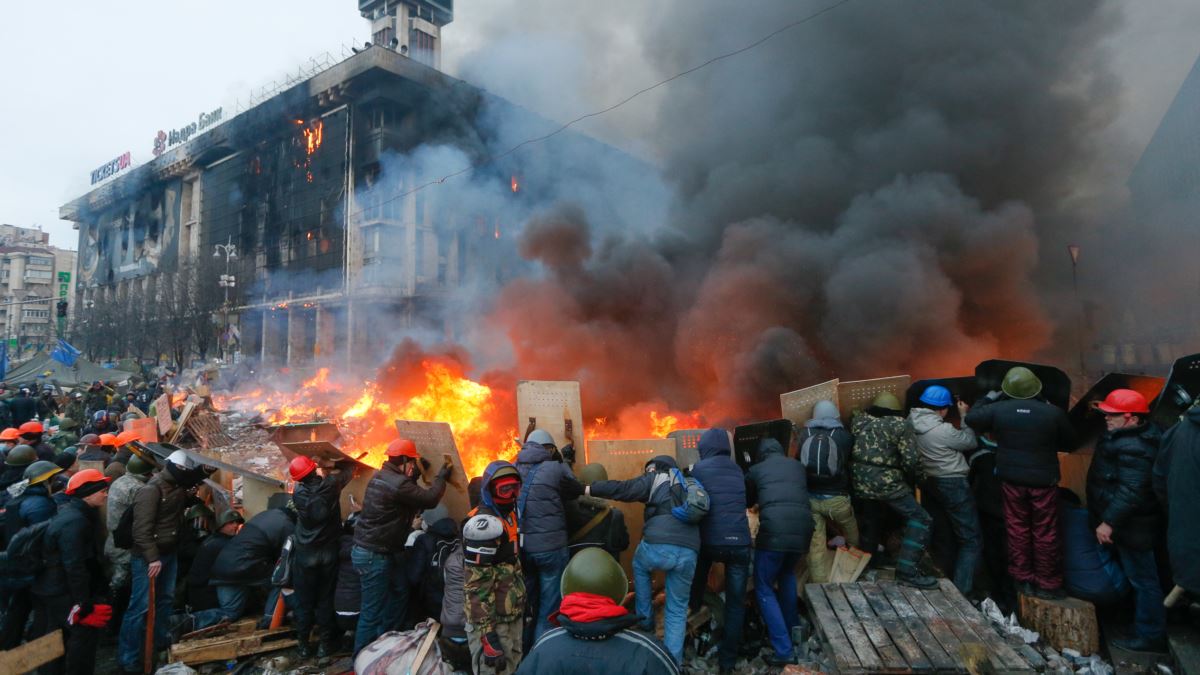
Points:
[[528, 581]]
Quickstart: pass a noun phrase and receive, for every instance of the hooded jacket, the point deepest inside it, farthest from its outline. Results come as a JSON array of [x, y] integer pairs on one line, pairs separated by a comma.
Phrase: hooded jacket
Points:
[[545, 485], [1029, 434], [72, 554], [726, 523], [885, 454], [599, 645], [453, 617], [1119, 485], [660, 494], [831, 485], [423, 563], [941, 444], [29, 507], [200, 595], [493, 592], [250, 556], [390, 503], [777, 484], [1179, 465]]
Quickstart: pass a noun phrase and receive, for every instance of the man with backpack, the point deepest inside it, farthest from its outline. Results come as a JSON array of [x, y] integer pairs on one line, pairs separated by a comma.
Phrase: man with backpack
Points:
[[670, 542], [317, 497], [776, 484], [545, 485], [823, 449], [724, 537], [71, 580], [942, 445], [30, 504], [886, 466]]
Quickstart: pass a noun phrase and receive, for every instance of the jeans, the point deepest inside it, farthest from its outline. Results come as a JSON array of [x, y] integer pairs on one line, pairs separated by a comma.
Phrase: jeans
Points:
[[133, 627], [737, 574], [679, 563], [775, 588], [384, 593], [1150, 617], [954, 495], [232, 600], [834, 509], [543, 573]]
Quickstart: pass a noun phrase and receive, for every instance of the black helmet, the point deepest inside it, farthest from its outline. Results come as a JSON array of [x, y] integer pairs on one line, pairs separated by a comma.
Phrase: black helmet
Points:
[[22, 455], [594, 571]]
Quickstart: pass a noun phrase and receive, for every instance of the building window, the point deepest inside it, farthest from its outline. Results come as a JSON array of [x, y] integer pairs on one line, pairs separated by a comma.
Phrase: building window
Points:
[[36, 314], [37, 260]]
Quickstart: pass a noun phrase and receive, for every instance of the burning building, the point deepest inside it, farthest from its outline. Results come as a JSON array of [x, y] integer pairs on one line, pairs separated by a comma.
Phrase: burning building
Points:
[[316, 205]]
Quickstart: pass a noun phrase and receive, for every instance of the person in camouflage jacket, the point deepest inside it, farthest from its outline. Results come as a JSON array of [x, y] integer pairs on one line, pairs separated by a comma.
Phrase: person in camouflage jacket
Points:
[[494, 585], [885, 465]]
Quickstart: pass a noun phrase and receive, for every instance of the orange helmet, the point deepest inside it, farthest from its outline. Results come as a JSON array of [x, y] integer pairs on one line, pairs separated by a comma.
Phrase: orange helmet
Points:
[[109, 439], [30, 427], [86, 482], [402, 447], [1121, 401], [301, 467], [128, 437], [10, 434]]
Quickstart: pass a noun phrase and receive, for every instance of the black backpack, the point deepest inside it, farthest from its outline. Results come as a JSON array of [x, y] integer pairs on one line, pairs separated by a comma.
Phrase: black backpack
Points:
[[26, 551], [821, 455], [123, 535]]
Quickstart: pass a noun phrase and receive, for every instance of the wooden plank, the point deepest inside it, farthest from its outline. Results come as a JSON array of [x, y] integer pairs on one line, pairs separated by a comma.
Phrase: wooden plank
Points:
[[162, 413], [419, 659], [879, 637], [27, 657], [230, 647], [1032, 656], [961, 628], [901, 636], [936, 623], [908, 616], [861, 639], [181, 423], [844, 656], [994, 641]]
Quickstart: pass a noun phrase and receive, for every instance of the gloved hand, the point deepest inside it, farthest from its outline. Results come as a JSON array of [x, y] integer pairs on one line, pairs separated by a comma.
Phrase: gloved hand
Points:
[[92, 616], [493, 654], [568, 454], [447, 467]]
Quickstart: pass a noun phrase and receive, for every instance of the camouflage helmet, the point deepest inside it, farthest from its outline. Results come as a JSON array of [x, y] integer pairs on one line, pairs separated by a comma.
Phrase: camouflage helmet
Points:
[[138, 466], [888, 401], [1020, 382], [594, 571], [22, 455], [40, 471], [591, 473]]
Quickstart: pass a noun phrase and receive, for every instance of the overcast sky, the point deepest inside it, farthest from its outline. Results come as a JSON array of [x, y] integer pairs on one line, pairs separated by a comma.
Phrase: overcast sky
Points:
[[84, 82]]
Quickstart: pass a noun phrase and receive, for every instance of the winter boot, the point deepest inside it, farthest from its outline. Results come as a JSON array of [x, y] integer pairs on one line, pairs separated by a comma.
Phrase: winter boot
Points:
[[908, 561]]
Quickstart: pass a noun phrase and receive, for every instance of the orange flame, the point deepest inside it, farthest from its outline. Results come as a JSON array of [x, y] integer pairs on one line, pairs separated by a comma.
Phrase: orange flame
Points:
[[645, 420], [515, 184]]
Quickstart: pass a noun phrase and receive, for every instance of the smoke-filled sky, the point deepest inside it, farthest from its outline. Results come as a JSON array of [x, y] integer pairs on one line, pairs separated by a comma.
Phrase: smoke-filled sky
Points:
[[85, 81]]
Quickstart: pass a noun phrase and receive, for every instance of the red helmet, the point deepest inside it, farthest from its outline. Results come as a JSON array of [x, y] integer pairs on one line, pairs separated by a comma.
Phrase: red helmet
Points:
[[1121, 401], [9, 434], [86, 482], [402, 447], [109, 440], [301, 467], [30, 427]]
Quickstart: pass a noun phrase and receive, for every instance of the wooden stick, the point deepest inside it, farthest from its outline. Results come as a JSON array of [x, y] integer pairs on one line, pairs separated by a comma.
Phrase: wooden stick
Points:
[[1174, 596], [148, 657], [419, 659]]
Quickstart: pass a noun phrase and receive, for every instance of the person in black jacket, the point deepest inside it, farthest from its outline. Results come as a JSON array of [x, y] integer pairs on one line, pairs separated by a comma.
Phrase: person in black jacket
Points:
[[1177, 484], [23, 407], [1029, 433], [201, 596], [347, 598], [71, 583], [546, 482], [724, 537], [314, 572], [245, 563], [1124, 510], [31, 506], [391, 501], [779, 487], [423, 558]]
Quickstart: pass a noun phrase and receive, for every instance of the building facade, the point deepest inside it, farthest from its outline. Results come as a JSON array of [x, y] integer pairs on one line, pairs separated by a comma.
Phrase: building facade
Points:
[[313, 213], [34, 278]]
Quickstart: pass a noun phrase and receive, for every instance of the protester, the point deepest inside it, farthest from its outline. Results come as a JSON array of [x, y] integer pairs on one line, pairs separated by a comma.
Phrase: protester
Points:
[[424, 558], [493, 584], [824, 450], [777, 486], [886, 466], [317, 498], [545, 485], [93, 451], [15, 463], [1029, 433], [594, 633], [668, 544], [9, 438], [71, 584], [724, 538], [453, 639], [31, 434], [1177, 483], [96, 398], [23, 407], [347, 598], [942, 445], [1125, 512], [201, 595], [391, 500], [31, 504], [242, 570], [591, 521]]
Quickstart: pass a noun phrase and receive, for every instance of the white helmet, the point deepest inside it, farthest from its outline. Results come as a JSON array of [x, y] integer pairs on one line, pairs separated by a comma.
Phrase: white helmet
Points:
[[541, 437], [181, 459]]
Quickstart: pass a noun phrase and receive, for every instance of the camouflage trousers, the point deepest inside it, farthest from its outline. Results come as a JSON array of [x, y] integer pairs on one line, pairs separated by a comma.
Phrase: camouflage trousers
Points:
[[119, 558], [510, 633]]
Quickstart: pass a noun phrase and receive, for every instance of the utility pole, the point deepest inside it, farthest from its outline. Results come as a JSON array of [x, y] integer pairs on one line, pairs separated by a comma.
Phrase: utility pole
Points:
[[227, 281], [1073, 250]]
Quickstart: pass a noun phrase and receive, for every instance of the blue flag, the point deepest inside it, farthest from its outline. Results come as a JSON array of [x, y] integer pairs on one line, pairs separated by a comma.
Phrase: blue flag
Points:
[[64, 353], [3, 359]]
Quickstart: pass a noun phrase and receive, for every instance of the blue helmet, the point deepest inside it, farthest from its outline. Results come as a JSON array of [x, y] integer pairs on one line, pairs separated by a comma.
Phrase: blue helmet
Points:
[[937, 396]]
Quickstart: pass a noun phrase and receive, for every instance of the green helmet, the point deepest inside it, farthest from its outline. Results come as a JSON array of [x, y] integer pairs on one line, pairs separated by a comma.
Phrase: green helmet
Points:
[[68, 424], [887, 400], [593, 570], [138, 466], [592, 472], [22, 455], [196, 511], [229, 516], [39, 471], [1020, 382]]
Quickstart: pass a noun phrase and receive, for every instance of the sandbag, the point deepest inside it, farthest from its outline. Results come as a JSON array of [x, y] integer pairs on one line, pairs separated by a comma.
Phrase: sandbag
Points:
[[394, 652]]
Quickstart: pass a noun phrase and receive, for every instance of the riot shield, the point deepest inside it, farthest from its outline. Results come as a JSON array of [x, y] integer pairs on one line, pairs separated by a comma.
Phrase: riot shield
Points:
[[1182, 387], [1088, 423], [747, 437]]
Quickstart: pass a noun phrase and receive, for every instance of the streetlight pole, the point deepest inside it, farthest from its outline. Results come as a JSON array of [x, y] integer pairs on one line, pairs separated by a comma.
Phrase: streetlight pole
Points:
[[227, 281]]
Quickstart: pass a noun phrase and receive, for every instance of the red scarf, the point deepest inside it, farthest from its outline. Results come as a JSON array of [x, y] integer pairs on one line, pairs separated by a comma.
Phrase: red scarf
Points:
[[588, 607]]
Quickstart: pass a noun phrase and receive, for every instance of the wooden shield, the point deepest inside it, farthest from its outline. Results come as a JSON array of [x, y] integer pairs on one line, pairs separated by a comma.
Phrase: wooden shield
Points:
[[686, 440], [550, 402], [434, 439], [798, 405], [623, 460], [858, 394]]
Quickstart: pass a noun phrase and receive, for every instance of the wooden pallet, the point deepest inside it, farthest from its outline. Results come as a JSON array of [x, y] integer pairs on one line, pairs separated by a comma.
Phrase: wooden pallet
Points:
[[231, 646], [887, 627]]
